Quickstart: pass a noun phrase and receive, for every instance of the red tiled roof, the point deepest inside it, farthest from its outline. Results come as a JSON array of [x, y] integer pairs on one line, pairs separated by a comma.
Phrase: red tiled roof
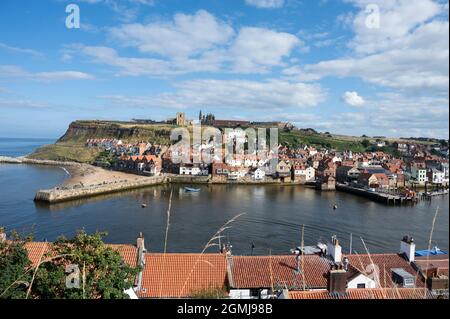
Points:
[[384, 262], [268, 271], [127, 252], [436, 265], [182, 275], [36, 250], [378, 293]]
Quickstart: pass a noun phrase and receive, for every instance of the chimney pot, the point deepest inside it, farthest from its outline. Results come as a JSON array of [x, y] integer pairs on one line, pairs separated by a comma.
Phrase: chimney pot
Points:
[[346, 262], [408, 248], [335, 250], [140, 243]]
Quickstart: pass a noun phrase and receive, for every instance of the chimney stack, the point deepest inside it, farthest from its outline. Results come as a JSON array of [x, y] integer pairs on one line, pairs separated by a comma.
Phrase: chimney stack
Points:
[[140, 261], [335, 250], [140, 242], [337, 281], [408, 248]]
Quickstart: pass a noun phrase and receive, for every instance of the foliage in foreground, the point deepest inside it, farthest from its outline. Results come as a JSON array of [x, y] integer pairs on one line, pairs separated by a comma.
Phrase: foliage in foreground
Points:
[[14, 263], [100, 272]]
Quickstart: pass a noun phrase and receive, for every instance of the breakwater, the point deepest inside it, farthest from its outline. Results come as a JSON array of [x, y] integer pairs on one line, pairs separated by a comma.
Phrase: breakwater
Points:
[[25, 160], [56, 195], [61, 194]]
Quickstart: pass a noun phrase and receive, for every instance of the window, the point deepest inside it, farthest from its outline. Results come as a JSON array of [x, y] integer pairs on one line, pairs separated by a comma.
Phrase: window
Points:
[[361, 286]]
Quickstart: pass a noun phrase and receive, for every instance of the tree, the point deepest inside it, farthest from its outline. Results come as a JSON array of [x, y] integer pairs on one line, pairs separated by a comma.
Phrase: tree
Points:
[[14, 264], [100, 271], [365, 143]]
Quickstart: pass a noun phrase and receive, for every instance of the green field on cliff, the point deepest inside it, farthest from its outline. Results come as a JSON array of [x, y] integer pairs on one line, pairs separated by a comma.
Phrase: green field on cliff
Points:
[[66, 151], [71, 146]]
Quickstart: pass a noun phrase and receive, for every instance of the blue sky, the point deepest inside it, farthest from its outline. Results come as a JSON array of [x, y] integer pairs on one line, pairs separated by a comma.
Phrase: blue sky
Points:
[[319, 64]]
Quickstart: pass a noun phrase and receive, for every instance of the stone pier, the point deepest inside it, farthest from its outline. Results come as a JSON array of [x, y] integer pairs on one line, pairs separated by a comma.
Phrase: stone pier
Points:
[[56, 195]]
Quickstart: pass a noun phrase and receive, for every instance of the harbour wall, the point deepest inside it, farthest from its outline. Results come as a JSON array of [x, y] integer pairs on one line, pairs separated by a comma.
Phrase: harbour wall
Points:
[[25, 160], [56, 195]]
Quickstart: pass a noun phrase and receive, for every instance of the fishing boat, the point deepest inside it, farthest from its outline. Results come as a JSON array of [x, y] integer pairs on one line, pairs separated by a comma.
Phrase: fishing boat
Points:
[[191, 189], [430, 252]]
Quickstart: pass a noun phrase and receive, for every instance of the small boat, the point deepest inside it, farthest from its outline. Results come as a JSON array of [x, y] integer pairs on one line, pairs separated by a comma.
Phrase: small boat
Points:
[[144, 205], [335, 206], [190, 189]]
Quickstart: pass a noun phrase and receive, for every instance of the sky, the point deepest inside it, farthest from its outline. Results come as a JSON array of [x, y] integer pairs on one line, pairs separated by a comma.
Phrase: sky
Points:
[[374, 67]]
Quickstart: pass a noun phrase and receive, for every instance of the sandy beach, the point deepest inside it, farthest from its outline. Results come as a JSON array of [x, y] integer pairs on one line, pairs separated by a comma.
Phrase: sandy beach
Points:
[[80, 174], [88, 175]]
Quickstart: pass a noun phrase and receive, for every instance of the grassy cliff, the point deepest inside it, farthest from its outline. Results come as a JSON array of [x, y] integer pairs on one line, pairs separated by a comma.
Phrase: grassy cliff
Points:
[[71, 146]]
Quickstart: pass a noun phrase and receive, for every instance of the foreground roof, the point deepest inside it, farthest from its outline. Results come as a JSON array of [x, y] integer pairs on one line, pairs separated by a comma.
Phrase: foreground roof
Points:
[[182, 275], [36, 250], [438, 264], [273, 271], [280, 271], [379, 293], [385, 263], [127, 252]]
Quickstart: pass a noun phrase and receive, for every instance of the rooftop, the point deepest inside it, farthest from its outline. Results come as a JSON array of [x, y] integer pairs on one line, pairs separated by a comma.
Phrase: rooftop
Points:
[[182, 275], [268, 271], [378, 293]]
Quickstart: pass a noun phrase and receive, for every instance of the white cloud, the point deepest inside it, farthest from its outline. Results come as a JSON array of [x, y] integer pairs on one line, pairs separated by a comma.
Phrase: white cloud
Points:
[[130, 66], [11, 71], [126, 10], [256, 48], [31, 52], [408, 56], [231, 94], [265, 3], [23, 104], [394, 114], [353, 99], [416, 59], [398, 19], [186, 35], [193, 43]]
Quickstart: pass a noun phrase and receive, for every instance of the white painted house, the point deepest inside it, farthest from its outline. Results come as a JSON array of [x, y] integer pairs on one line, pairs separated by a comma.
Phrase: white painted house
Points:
[[419, 174], [193, 170], [308, 173], [436, 176], [360, 281], [258, 174]]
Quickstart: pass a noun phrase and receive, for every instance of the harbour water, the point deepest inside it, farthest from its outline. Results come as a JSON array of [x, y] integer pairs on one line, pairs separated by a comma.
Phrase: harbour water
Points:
[[272, 220]]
